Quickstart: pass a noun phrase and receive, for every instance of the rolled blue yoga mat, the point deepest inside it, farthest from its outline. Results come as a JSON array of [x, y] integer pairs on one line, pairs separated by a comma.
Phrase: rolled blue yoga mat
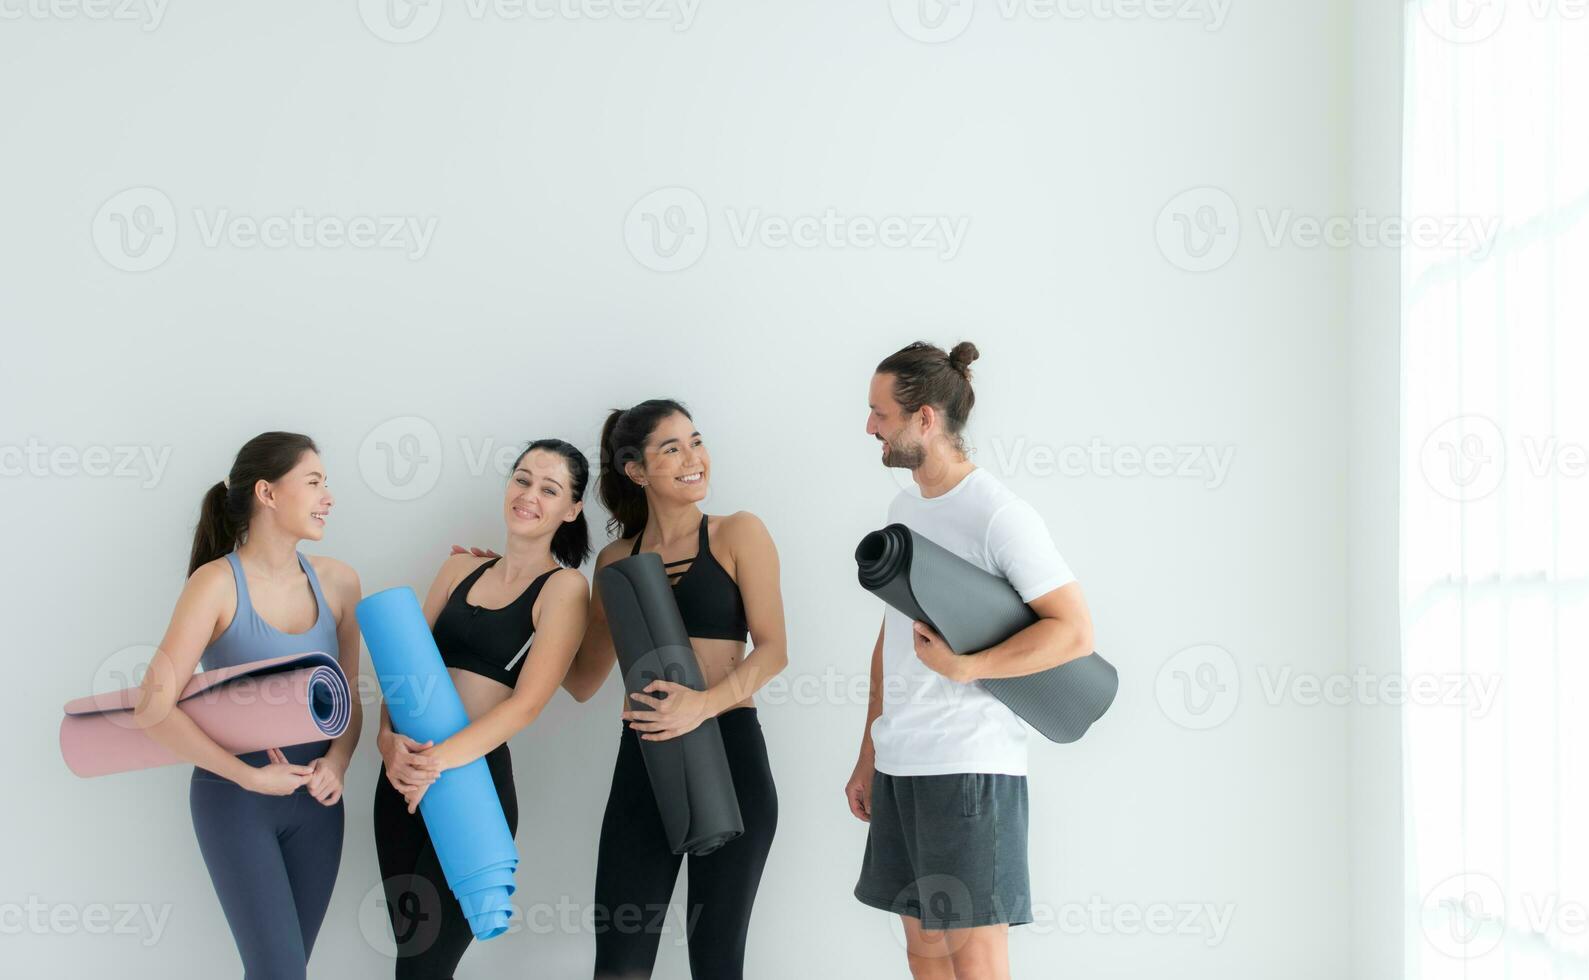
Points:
[[461, 809]]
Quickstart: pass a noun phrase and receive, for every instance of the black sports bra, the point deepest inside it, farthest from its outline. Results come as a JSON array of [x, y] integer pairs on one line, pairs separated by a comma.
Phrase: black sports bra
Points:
[[708, 597], [489, 642]]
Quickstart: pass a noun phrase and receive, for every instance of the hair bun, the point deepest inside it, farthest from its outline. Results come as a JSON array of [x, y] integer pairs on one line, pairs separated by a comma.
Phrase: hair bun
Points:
[[962, 355]]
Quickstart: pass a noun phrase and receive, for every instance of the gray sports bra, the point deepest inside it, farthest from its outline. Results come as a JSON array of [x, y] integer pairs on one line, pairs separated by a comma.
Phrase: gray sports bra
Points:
[[248, 637]]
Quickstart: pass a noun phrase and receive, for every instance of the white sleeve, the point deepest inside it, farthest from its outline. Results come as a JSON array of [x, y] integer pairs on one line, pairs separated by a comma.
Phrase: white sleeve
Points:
[[1024, 555]]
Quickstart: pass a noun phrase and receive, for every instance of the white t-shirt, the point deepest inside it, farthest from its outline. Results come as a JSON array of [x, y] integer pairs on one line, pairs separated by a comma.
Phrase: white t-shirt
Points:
[[931, 725]]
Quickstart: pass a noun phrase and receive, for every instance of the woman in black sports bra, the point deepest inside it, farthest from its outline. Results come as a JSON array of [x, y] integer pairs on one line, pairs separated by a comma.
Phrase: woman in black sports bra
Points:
[[507, 628], [724, 570]]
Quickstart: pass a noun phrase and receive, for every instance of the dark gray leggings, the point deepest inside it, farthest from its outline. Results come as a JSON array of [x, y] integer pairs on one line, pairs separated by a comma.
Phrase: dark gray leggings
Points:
[[273, 861]]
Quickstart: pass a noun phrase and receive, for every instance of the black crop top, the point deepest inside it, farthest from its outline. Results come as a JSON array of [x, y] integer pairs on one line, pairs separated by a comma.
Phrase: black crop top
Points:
[[489, 642], [708, 597]]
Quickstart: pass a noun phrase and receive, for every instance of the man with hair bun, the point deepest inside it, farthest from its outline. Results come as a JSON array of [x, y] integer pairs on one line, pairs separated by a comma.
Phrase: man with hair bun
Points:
[[941, 777]]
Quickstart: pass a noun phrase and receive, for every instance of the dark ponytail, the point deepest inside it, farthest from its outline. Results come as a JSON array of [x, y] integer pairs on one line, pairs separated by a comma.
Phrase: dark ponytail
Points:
[[229, 505], [925, 375], [212, 537], [623, 440], [571, 541]]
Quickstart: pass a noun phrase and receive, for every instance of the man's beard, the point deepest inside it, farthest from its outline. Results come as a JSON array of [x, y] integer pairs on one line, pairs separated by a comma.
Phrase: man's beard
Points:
[[903, 457]]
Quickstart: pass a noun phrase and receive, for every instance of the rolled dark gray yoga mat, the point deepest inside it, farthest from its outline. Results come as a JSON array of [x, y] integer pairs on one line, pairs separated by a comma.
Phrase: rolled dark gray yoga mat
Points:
[[972, 610], [689, 775]]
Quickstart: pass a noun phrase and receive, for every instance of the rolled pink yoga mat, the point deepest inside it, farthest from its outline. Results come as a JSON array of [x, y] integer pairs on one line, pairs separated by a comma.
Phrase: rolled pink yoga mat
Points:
[[267, 704]]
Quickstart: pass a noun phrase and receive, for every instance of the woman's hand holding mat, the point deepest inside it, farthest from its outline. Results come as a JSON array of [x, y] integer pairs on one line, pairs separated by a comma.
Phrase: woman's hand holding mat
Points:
[[325, 781], [408, 769], [674, 710], [278, 777]]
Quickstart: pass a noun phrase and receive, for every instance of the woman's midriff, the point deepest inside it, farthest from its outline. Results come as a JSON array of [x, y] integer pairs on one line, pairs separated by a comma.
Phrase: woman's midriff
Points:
[[478, 693]]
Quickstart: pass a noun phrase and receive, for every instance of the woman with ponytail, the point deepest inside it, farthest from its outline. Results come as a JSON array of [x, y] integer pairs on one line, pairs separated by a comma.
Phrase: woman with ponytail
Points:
[[724, 571], [507, 627], [269, 824]]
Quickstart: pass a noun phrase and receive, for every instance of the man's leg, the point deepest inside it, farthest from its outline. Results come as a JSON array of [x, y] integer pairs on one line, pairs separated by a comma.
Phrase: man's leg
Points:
[[969, 834], [982, 953], [927, 951]]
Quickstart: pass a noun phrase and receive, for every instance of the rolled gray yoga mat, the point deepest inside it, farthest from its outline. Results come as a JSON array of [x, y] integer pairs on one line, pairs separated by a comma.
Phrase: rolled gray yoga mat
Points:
[[973, 610], [689, 775]]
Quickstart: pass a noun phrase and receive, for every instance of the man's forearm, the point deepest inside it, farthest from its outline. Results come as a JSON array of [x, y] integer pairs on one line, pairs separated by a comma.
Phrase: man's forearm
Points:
[[1043, 645]]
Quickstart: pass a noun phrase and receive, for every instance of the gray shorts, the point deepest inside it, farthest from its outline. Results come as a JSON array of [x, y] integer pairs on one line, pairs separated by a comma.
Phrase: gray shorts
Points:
[[948, 850]]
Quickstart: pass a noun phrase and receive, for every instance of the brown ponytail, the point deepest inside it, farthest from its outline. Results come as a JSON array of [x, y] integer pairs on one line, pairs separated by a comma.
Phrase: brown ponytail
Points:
[[212, 538]]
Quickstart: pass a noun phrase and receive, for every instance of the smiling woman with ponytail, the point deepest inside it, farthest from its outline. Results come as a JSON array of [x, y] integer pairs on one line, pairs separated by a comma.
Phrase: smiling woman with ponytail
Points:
[[724, 571], [224, 515], [269, 824], [506, 626]]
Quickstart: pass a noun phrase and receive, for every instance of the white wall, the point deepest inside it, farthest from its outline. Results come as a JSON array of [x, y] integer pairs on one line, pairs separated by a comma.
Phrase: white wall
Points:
[[1060, 141], [1373, 394]]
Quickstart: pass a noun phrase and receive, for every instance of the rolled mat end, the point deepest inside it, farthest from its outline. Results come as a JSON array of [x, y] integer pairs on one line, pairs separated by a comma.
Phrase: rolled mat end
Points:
[[66, 752], [706, 845], [489, 925], [487, 909]]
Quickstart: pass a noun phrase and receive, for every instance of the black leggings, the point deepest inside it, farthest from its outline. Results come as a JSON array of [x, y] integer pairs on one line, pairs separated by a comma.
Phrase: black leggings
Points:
[[429, 926], [635, 868]]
